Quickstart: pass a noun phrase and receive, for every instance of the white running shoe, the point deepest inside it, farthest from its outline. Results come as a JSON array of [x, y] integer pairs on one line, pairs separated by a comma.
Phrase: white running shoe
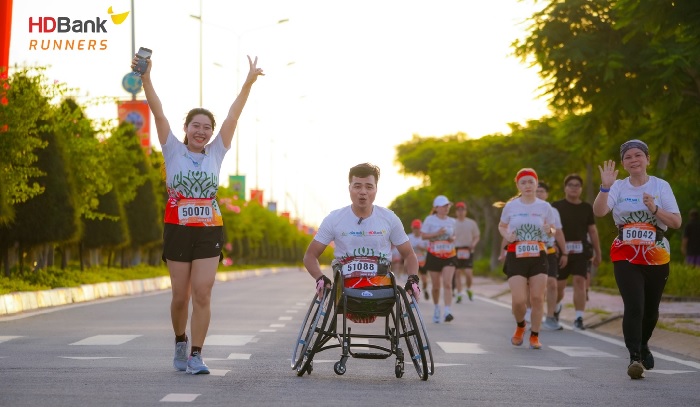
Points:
[[180, 359]]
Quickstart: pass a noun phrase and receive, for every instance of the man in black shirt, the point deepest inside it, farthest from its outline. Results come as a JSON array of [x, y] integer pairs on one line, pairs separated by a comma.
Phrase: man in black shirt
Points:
[[582, 244]]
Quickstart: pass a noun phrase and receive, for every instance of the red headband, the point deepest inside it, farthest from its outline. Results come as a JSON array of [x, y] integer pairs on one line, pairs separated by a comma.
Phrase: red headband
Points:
[[524, 173]]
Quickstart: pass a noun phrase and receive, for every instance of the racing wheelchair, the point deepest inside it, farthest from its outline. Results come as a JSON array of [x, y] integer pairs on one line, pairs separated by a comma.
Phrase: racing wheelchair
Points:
[[364, 290]]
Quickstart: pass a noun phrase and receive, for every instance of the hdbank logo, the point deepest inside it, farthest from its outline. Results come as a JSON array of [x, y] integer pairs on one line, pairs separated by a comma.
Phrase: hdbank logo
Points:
[[55, 27]]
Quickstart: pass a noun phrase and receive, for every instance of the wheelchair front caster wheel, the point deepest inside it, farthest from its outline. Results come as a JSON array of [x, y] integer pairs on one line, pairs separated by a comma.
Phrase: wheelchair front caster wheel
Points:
[[399, 371], [339, 368]]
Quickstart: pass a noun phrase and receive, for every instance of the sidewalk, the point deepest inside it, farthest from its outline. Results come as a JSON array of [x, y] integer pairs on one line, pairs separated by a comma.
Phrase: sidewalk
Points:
[[604, 314]]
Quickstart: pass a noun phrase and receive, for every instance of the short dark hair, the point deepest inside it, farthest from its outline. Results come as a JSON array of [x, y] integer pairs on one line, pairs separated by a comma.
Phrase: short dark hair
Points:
[[573, 176], [544, 185], [364, 170]]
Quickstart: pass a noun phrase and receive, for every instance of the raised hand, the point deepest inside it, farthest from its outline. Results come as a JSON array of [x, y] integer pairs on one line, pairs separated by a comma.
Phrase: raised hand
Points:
[[608, 173], [253, 71]]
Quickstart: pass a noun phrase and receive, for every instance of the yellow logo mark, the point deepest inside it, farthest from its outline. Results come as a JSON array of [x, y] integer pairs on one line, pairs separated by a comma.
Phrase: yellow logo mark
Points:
[[117, 18]]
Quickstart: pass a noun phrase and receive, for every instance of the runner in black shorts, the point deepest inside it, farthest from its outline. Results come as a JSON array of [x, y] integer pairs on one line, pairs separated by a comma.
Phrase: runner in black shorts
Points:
[[438, 228], [193, 232], [526, 224]]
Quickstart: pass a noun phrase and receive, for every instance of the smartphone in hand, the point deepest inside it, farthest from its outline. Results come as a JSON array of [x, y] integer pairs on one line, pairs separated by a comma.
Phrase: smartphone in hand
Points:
[[143, 56]]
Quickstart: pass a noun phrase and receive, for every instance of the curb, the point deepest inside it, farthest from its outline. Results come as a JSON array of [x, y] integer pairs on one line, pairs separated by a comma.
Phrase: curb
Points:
[[17, 302]]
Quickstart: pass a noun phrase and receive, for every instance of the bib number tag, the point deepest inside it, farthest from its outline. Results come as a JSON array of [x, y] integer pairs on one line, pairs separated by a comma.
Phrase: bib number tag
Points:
[[195, 211], [361, 267], [574, 247], [527, 248], [640, 233], [464, 254], [441, 247]]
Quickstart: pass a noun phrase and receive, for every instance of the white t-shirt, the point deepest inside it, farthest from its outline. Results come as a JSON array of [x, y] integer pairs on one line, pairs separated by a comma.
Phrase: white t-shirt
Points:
[[420, 247], [433, 223], [192, 175], [371, 237], [189, 174], [557, 224], [528, 220], [417, 242], [627, 204], [466, 231]]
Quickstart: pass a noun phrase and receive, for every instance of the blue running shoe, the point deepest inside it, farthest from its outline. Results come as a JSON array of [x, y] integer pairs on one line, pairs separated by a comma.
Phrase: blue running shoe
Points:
[[180, 359], [195, 365]]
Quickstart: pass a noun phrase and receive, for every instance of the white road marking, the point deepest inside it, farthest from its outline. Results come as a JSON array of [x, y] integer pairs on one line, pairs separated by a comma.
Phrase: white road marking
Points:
[[239, 356], [285, 318], [218, 372], [104, 340], [8, 338], [582, 351], [669, 371], [462, 347], [291, 311], [267, 330], [180, 397], [228, 340], [277, 325], [548, 368], [91, 357]]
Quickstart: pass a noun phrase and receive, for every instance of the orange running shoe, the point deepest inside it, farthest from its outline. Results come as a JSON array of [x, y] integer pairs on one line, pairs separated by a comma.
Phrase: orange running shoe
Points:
[[535, 342], [517, 338]]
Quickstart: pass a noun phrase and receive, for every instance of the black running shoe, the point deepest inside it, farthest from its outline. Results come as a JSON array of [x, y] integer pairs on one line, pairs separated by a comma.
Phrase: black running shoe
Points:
[[647, 359]]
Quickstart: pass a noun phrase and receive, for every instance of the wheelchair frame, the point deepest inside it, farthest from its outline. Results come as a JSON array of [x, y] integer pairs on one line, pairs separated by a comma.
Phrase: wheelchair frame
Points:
[[402, 320]]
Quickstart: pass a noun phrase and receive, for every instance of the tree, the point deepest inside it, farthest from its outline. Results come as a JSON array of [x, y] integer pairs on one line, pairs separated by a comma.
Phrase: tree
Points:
[[23, 107]]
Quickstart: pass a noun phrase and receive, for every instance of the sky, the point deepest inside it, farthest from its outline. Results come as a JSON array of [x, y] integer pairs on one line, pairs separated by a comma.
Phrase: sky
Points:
[[345, 83]]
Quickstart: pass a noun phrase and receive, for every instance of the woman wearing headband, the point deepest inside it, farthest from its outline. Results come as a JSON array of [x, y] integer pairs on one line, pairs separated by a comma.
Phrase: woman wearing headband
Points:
[[526, 224], [643, 208]]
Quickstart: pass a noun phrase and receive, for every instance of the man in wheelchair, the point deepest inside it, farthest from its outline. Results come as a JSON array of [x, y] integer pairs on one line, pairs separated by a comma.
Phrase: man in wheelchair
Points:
[[363, 234], [363, 287]]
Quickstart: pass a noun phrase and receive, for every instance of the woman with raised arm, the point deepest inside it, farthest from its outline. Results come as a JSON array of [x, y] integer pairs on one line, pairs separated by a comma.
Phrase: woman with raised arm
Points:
[[193, 235], [643, 208]]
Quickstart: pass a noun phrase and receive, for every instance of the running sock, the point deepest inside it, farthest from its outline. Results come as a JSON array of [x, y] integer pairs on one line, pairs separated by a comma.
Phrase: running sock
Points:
[[181, 338], [579, 314], [521, 324], [535, 334], [447, 310], [195, 350]]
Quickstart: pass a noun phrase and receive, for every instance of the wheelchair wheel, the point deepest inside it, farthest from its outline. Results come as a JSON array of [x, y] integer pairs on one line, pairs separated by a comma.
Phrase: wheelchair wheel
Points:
[[412, 335], [314, 323], [424, 334]]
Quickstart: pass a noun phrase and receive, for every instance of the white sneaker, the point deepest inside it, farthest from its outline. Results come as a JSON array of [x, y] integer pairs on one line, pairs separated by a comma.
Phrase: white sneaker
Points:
[[180, 359], [195, 365]]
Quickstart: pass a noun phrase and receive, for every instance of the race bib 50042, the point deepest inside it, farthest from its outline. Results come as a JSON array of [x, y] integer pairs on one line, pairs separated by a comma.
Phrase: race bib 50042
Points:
[[639, 233]]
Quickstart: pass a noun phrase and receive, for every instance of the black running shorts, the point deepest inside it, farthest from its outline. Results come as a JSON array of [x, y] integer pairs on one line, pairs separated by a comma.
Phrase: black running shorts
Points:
[[187, 243]]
